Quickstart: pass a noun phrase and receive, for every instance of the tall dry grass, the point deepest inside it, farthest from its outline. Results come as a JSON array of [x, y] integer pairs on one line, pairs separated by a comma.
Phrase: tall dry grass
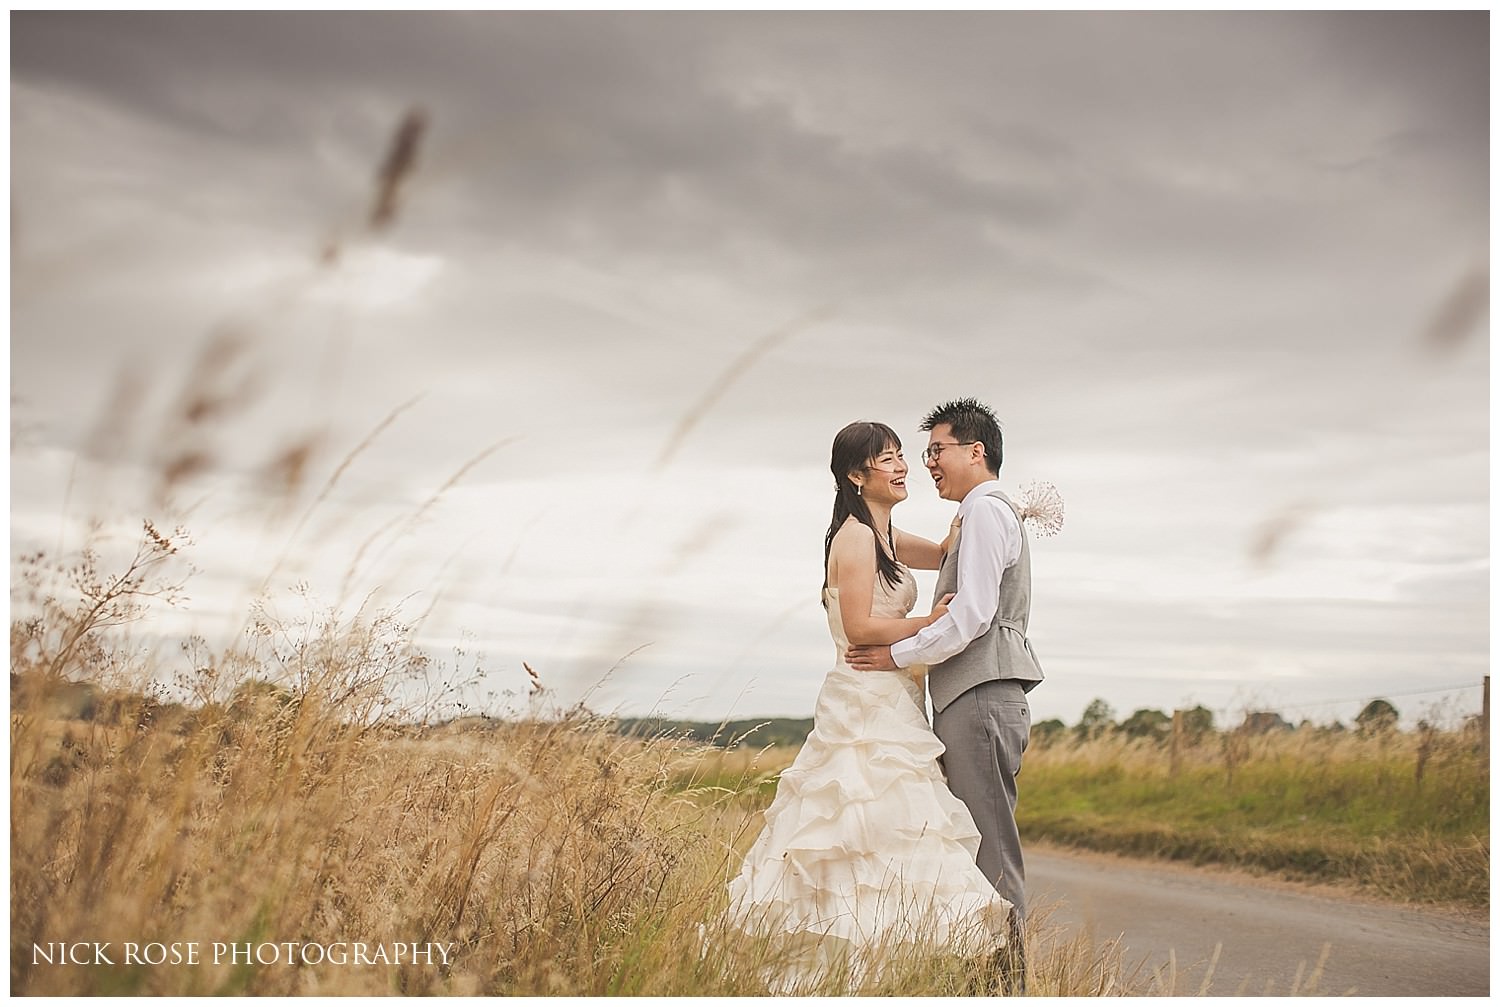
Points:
[[289, 800]]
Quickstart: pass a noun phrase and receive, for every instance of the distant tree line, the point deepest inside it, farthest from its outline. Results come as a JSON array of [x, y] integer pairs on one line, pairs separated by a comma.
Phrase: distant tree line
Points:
[[1098, 720], [85, 701]]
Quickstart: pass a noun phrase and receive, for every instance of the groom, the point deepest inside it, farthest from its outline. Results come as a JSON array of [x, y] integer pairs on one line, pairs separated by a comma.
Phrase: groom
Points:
[[980, 663]]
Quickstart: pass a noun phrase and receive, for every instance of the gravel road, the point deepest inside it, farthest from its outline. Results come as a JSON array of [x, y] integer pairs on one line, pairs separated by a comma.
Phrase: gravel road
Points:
[[1267, 930]]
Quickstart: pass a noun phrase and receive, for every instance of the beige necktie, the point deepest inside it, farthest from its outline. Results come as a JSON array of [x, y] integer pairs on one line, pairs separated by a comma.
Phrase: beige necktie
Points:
[[952, 531]]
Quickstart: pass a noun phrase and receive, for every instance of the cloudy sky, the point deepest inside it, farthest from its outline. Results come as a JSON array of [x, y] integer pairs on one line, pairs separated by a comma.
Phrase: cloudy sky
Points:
[[1224, 277]]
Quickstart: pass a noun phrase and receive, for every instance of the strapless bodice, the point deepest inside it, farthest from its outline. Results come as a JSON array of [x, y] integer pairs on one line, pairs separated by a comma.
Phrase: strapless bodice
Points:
[[887, 603]]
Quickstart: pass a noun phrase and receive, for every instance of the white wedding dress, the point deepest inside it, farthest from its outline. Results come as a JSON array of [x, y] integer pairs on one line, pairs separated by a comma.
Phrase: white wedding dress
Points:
[[865, 851]]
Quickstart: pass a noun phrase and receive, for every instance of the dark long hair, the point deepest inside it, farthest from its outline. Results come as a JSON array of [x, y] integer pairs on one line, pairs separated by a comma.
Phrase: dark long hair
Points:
[[855, 447]]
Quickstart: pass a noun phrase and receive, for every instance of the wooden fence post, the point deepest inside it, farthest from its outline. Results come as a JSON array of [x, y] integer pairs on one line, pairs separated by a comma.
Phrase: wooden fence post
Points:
[[1177, 720], [1484, 716]]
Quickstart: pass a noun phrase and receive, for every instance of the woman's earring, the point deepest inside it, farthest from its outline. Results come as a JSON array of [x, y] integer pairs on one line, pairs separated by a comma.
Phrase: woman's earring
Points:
[[859, 490]]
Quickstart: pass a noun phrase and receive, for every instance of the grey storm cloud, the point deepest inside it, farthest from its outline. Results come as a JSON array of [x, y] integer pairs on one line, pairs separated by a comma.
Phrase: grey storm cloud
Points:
[[1194, 258], [974, 135]]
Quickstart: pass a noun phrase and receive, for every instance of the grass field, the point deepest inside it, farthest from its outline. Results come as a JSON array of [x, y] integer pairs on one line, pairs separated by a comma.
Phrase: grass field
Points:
[[553, 855], [1309, 805], [547, 857], [550, 855]]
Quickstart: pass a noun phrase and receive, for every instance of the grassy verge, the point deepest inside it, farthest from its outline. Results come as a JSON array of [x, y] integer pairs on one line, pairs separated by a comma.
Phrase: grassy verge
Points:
[[1339, 808], [1323, 807]]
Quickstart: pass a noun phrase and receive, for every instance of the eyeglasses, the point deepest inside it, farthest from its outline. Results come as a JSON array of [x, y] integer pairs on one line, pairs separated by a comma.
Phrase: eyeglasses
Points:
[[933, 450]]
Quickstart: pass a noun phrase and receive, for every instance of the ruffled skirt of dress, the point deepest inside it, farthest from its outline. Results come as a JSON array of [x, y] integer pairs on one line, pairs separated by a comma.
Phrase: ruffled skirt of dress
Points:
[[864, 850]]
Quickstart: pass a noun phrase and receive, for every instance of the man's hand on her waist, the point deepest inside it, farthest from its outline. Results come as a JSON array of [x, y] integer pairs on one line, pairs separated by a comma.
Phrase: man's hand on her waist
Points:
[[870, 658]]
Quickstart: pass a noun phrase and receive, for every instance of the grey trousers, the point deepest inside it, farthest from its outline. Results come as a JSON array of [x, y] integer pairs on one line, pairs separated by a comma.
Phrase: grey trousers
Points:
[[985, 730]]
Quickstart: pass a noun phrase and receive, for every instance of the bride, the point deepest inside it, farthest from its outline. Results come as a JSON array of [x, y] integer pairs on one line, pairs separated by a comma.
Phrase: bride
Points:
[[864, 850]]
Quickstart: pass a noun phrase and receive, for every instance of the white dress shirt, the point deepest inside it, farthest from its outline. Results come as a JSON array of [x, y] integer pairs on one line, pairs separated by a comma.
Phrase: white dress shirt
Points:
[[991, 543]]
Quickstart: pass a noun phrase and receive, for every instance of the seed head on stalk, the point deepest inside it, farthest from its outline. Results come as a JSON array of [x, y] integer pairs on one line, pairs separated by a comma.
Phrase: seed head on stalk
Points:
[[1042, 509]]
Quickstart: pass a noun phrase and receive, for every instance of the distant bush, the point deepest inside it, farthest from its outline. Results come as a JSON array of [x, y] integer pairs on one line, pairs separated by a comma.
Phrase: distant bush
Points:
[[1197, 723], [1151, 724], [1377, 717], [1047, 732], [1098, 719]]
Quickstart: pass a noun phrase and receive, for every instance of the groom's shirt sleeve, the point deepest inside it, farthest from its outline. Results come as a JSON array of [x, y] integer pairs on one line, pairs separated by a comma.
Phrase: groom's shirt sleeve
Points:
[[990, 542]]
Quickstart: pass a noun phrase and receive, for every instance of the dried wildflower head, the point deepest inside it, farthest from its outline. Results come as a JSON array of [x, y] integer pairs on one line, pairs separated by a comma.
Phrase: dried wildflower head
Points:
[[286, 470], [1042, 509], [1273, 532], [400, 161], [1462, 311]]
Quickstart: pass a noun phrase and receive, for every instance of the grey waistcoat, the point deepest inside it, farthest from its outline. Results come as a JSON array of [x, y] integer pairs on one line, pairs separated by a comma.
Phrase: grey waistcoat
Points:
[[1002, 651]]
